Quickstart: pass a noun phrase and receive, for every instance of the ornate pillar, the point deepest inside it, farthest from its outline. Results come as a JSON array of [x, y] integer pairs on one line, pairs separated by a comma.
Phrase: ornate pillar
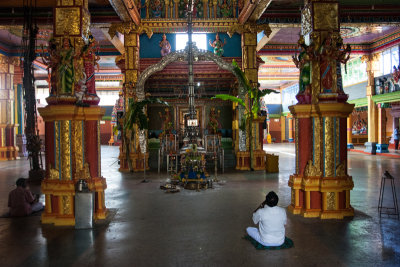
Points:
[[250, 64], [350, 132], [283, 124], [132, 43], [290, 118], [371, 61], [320, 186], [8, 127], [72, 144], [382, 146], [20, 113]]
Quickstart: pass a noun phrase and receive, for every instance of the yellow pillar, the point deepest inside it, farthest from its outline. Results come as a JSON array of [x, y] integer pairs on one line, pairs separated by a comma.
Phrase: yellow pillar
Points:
[[371, 61], [290, 118], [8, 126], [349, 132]]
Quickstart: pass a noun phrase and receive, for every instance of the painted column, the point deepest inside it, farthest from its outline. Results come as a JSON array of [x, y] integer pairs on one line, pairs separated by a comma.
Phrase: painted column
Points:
[[320, 186], [131, 34], [350, 132], [8, 127], [72, 148], [371, 61], [290, 118], [382, 146], [20, 113]]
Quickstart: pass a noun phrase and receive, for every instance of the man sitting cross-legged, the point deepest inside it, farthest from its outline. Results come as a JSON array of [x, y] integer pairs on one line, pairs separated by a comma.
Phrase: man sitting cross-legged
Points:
[[271, 220]]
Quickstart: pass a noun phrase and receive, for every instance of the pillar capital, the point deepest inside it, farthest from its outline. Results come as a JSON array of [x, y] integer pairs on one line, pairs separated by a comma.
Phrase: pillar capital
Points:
[[249, 27], [128, 28]]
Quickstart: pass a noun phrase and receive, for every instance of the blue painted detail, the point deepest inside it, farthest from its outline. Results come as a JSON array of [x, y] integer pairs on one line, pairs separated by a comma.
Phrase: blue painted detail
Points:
[[370, 147], [59, 148], [323, 144], [20, 108], [350, 146], [313, 140], [83, 143], [334, 143], [291, 140], [70, 151], [382, 148]]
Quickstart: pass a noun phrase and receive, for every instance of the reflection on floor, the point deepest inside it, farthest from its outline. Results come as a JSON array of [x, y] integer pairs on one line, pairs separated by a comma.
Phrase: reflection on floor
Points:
[[205, 228]]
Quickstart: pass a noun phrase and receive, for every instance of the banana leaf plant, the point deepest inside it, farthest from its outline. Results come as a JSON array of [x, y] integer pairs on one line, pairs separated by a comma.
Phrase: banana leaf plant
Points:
[[135, 115], [250, 103]]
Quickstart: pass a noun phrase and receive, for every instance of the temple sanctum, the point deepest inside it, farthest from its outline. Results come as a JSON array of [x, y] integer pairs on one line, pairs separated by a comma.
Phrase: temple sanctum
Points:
[[151, 129]]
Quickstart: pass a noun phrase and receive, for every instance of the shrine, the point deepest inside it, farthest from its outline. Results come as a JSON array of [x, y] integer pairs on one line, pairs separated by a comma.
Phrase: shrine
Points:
[[222, 101]]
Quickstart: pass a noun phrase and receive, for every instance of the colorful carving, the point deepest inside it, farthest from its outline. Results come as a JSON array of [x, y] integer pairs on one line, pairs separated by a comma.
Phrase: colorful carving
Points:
[[165, 46], [167, 121], [303, 62], [225, 9], [197, 9], [90, 60], [396, 75], [218, 45], [213, 123], [156, 8], [65, 67], [51, 61]]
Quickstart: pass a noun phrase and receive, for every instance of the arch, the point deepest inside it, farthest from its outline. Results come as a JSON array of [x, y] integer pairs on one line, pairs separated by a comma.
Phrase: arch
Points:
[[199, 55]]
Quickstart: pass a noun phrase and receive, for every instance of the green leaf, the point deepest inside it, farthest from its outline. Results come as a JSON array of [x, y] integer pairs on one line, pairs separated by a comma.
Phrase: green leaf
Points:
[[231, 98]]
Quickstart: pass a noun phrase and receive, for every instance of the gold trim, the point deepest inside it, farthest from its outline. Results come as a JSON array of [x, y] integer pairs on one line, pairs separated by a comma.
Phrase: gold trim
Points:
[[65, 150], [70, 112], [329, 148]]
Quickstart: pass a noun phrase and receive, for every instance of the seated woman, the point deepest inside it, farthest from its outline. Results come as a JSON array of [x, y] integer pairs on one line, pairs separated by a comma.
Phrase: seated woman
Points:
[[21, 201], [271, 220]]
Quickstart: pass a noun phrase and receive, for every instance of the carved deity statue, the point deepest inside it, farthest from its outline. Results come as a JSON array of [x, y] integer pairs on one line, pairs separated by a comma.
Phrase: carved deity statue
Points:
[[167, 121], [51, 61], [165, 46], [90, 60], [225, 8], [213, 124], [303, 63], [65, 68], [218, 45], [396, 75]]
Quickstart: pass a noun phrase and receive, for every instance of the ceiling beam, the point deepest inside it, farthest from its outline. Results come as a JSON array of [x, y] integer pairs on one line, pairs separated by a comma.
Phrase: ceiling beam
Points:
[[266, 38], [252, 10], [116, 41], [126, 10]]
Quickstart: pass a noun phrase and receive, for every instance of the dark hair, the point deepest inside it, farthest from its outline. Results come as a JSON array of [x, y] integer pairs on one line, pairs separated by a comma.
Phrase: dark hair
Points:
[[21, 182], [271, 199]]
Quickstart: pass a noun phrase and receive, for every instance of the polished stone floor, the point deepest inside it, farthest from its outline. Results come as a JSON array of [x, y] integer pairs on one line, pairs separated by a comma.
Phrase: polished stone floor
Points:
[[151, 228]]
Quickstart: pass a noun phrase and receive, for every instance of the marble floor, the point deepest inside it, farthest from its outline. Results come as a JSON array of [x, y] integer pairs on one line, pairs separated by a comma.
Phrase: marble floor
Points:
[[152, 228]]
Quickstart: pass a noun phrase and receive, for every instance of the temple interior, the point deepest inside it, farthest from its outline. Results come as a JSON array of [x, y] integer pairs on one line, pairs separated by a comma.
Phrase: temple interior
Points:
[[152, 129]]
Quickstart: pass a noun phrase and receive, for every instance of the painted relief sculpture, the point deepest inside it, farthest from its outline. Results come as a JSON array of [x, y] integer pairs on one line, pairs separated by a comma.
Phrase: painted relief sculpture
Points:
[[302, 62], [218, 45], [66, 73], [213, 124], [166, 121], [156, 8], [51, 62], [320, 186], [165, 46], [90, 60], [225, 9]]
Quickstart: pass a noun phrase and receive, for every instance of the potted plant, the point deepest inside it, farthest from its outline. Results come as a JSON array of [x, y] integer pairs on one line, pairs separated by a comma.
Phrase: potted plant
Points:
[[251, 104]]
